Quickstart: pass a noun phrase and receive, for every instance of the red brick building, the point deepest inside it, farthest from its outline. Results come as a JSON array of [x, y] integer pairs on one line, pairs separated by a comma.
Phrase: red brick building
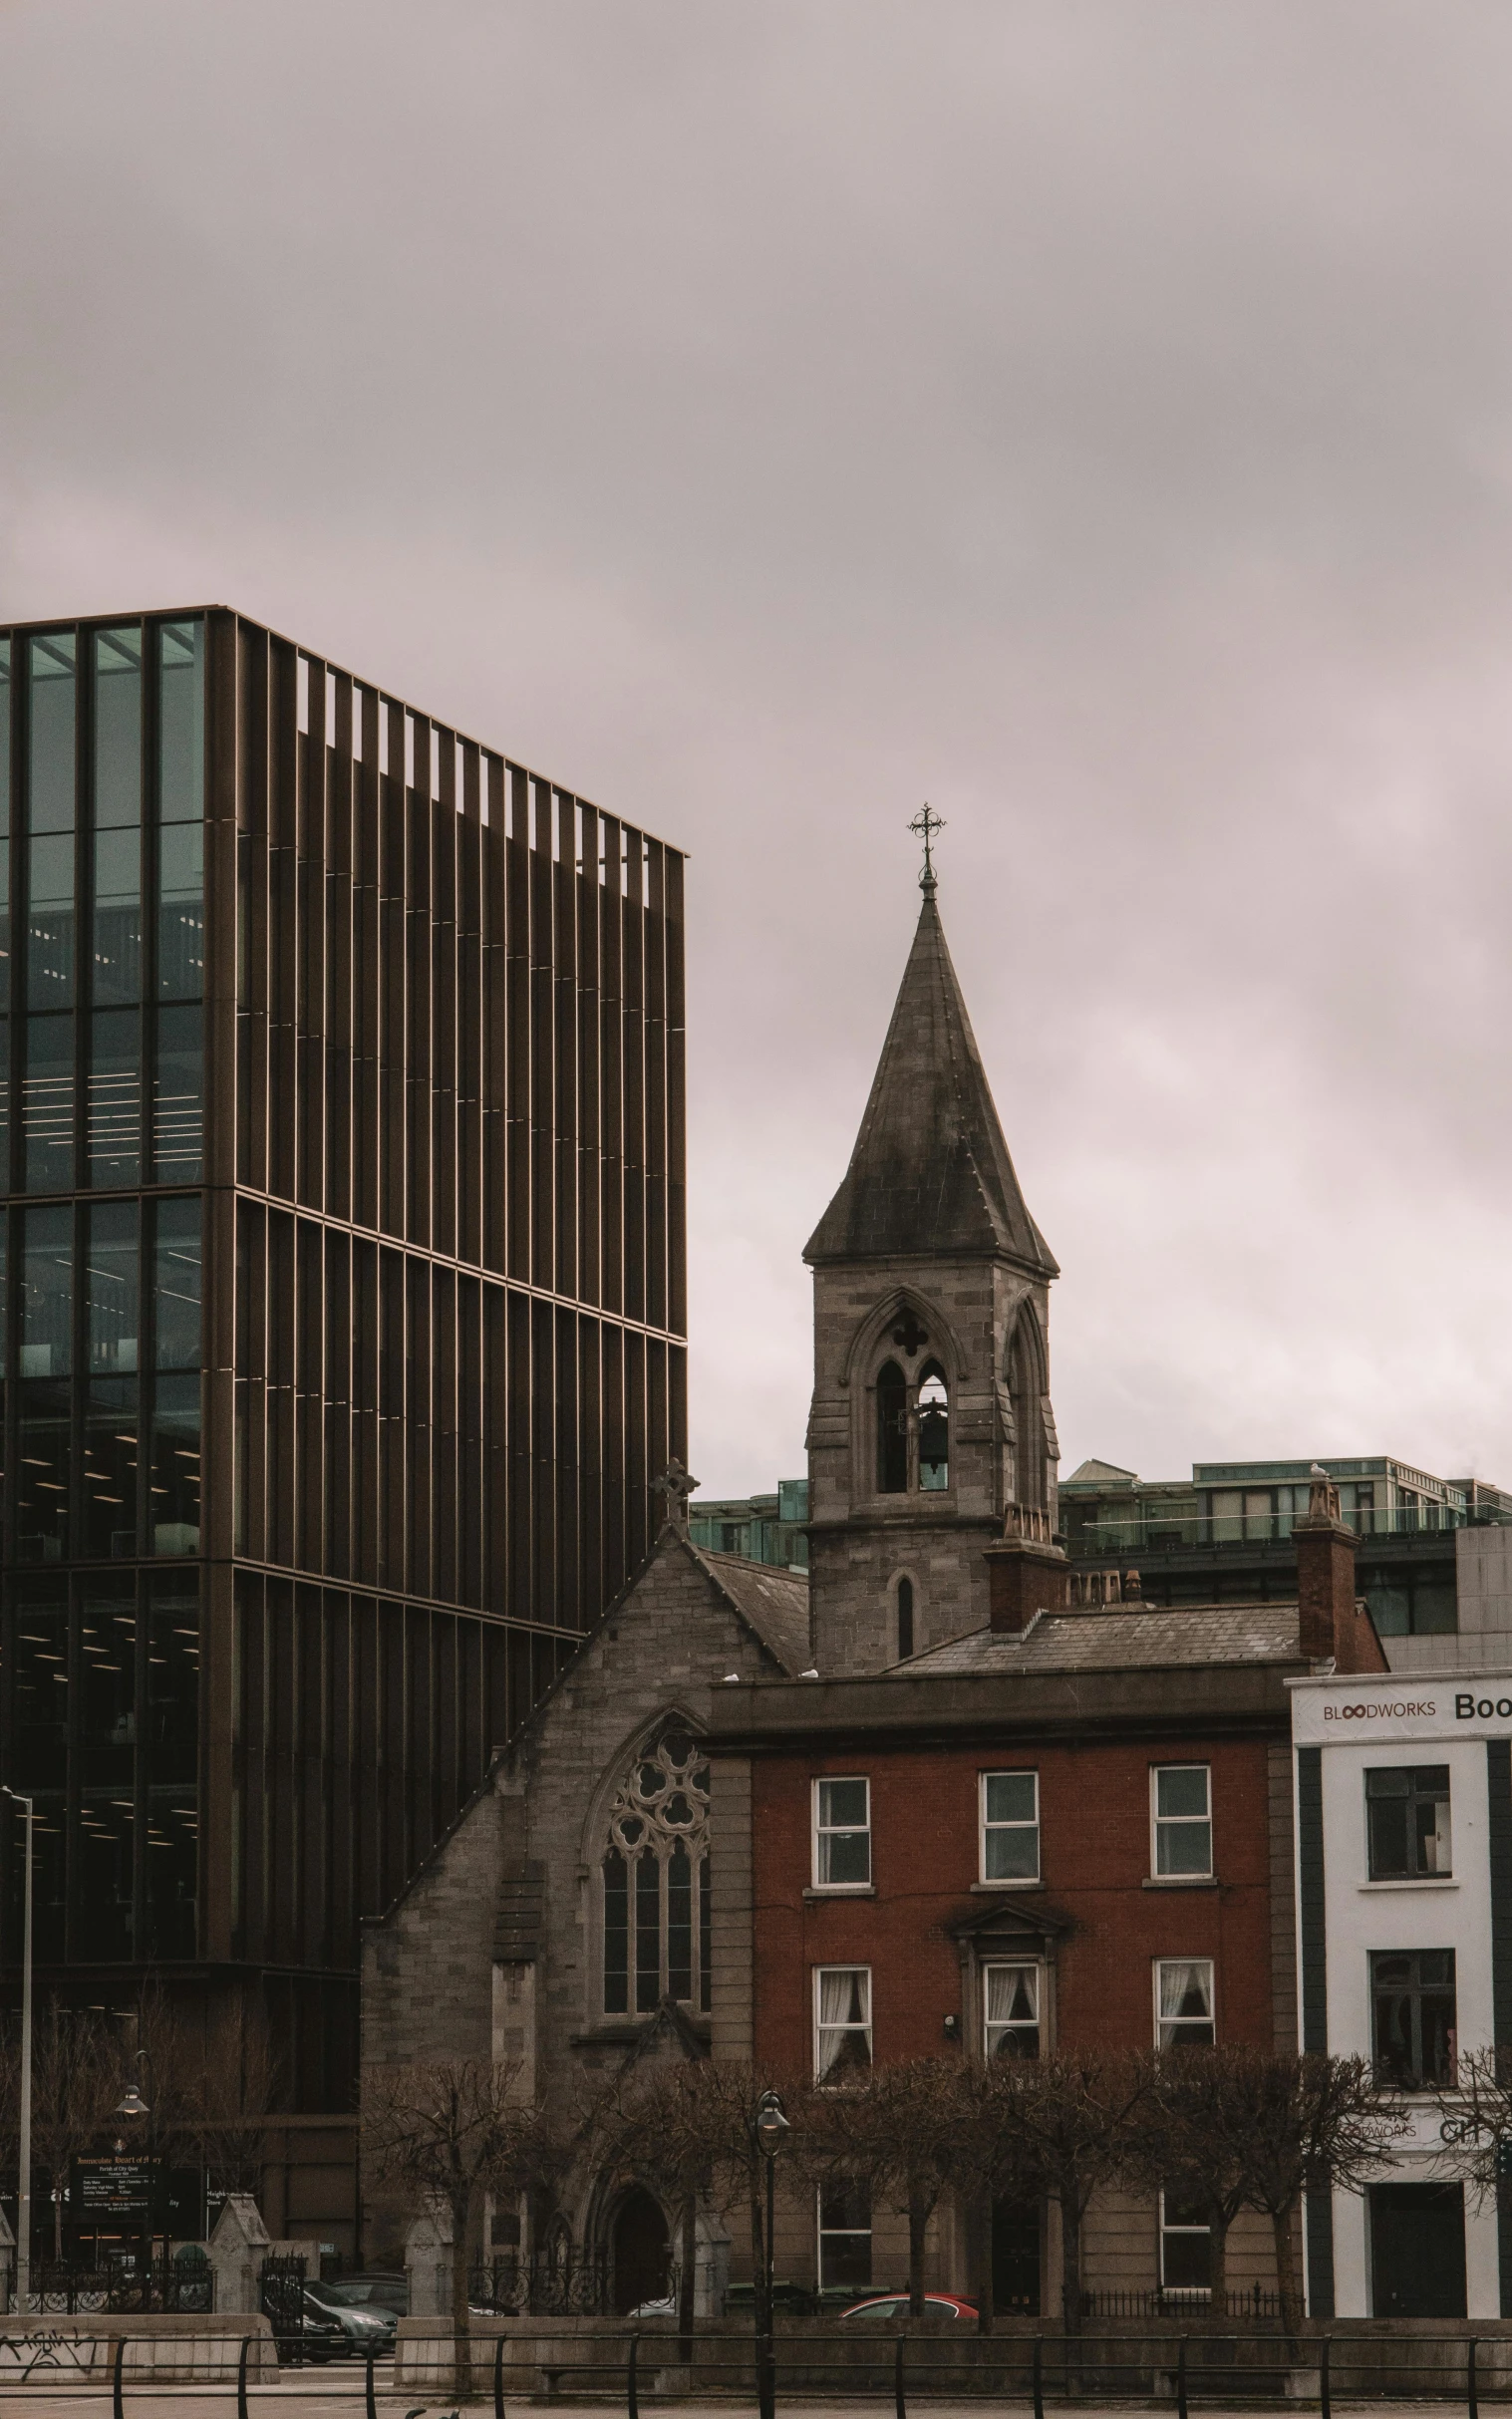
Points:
[[1073, 1833]]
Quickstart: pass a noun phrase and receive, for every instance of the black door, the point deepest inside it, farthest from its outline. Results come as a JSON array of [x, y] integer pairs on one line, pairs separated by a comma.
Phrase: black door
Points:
[[1417, 2251], [1015, 2259], [641, 2253]]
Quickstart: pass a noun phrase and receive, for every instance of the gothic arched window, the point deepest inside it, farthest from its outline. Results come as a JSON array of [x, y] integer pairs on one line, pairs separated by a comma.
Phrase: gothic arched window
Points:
[[892, 1430], [905, 1619], [1025, 1387], [934, 1428], [655, 1879]]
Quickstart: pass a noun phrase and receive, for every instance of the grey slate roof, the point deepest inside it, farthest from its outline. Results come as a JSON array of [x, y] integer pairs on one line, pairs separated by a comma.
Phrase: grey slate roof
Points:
[[1132, 1639], [930, 1172], [769, 1600]]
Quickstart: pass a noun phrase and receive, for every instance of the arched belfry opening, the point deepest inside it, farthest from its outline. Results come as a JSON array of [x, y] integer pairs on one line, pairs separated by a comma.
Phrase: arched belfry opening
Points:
[[934, 1429], [1026, 1394], [892, 1430]]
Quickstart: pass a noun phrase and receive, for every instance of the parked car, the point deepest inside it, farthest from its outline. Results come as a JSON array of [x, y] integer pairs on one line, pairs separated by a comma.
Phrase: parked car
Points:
[[319, 2337], [366, 2325], [896, 2306], [373, 2289]]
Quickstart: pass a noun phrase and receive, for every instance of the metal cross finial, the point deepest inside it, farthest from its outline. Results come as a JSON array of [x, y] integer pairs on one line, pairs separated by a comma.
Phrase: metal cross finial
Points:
[[926, 823]]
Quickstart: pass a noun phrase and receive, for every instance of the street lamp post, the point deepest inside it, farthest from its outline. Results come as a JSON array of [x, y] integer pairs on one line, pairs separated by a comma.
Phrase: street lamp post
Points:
[[24, 2158], [771, 2131], [134, 2105]]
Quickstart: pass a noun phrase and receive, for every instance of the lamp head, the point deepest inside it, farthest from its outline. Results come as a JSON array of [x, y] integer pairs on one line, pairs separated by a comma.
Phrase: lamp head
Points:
[[772, 2126], [131, 2103]]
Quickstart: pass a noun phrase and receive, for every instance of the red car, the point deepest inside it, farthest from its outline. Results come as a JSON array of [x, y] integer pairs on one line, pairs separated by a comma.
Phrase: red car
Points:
[[896, 2306]]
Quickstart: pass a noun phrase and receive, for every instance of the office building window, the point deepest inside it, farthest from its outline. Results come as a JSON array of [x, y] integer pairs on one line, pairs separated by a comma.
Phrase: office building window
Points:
[[845, 2234], [1183, 2003], [841, 1834], [1009, 1822], [1407, 1822], [842, 2022], [1010, 2010], [1181, 1820], [1186, 2247], [1412, 2001]]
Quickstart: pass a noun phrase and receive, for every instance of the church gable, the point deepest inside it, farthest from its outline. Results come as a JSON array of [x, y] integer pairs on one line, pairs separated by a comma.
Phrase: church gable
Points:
[[517, 1882]]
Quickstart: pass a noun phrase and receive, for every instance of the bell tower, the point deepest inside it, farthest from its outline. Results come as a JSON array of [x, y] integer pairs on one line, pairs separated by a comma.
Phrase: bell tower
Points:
[[931, 1414]]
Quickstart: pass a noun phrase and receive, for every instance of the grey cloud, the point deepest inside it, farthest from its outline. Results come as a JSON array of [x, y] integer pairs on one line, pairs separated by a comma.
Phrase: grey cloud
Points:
[[1096, 418]]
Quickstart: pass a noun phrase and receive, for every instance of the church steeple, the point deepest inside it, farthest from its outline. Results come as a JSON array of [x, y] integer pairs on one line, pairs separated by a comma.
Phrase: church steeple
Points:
[[931, 1416], [930, 1172]]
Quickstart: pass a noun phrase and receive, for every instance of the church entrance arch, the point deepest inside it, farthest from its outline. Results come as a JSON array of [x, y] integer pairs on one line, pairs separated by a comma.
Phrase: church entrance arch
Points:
[[640, 2253]]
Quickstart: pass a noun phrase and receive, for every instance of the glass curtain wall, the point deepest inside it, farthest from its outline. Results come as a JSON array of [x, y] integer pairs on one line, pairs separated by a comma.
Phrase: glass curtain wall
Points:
[[102, 812], [108, 855]]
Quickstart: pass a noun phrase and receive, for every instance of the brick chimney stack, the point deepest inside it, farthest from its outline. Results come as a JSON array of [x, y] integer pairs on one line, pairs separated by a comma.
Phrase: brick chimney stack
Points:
[[1027, 1572], [1329, 1617]]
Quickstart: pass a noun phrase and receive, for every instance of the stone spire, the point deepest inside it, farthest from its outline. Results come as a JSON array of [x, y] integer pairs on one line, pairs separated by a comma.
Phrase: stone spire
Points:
[[930, 1174]]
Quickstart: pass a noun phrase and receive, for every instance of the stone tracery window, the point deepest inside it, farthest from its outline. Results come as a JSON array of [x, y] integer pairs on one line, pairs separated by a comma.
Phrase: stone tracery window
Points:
[[655, 1875]]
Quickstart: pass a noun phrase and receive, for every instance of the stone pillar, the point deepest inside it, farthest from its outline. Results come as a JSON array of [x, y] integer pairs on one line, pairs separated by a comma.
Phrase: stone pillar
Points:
[[427, 2264], [237, 2249]]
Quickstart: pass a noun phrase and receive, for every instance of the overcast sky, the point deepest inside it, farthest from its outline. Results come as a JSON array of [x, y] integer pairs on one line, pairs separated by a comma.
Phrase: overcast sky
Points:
[[1095, 416]]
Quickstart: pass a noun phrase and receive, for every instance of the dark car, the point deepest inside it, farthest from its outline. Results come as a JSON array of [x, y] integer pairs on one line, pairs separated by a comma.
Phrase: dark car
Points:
[[318, 2338]]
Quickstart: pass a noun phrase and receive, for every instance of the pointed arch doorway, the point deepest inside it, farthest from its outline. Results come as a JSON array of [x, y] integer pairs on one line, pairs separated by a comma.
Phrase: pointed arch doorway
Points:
[[640, 2253]]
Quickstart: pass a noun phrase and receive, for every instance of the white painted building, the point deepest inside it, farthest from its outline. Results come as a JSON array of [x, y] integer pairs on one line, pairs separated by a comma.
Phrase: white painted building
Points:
[[1404, 1845]]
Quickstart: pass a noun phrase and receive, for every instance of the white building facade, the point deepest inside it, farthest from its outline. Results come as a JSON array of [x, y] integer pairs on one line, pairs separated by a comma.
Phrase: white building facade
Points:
[[1403, 1846]]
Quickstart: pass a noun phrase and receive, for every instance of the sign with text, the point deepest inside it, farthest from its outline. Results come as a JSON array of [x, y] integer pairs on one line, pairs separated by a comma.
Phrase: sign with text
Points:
[[112, 2191], [1396, 1706]]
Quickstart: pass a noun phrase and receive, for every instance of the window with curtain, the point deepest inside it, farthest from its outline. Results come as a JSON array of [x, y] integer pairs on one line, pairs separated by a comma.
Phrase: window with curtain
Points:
[[654, 1881], [842, 2022], [1184, 2004], [1011, 2005]]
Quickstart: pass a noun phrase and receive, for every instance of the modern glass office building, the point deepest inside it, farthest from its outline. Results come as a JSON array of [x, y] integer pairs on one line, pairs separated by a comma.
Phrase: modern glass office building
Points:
[[342, 1134]]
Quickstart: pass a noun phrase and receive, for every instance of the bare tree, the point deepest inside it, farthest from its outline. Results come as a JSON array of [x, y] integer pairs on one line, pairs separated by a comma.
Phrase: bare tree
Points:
[[905, 2130], [450, 2133], [654, 2126], [1475, 2116], [76, 2082], [1080, 2109], [997, 2156], [1191, 2140], [1294, 2124]]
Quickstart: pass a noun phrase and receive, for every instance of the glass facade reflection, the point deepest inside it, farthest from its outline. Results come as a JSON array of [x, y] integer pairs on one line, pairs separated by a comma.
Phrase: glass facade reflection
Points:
[[341, 1294]]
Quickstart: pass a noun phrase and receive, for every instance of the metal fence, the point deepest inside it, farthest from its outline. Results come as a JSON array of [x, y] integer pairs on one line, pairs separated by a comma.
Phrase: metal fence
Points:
[[1178, 2304], [182, 2284], [551, 2283]]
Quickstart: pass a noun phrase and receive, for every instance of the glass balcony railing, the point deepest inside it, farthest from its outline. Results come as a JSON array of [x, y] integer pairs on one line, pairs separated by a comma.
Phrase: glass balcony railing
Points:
[[1153, 1531]]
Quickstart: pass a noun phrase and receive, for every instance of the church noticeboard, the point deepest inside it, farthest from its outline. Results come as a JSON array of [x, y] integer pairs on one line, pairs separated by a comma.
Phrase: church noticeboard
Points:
[[109, 2192]]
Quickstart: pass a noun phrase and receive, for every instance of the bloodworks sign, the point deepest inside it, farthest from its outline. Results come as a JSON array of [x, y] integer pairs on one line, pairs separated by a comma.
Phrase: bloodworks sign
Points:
[[1326, 1712]]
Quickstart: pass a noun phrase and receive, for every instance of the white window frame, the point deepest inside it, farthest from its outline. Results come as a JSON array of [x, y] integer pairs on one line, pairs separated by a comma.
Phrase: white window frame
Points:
[[1005, 1880], [820, 1831], [841, 2234], [1032, 1965], [1157, 1967], [821, 2073], [1181, 1822], [1196, 2294]]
